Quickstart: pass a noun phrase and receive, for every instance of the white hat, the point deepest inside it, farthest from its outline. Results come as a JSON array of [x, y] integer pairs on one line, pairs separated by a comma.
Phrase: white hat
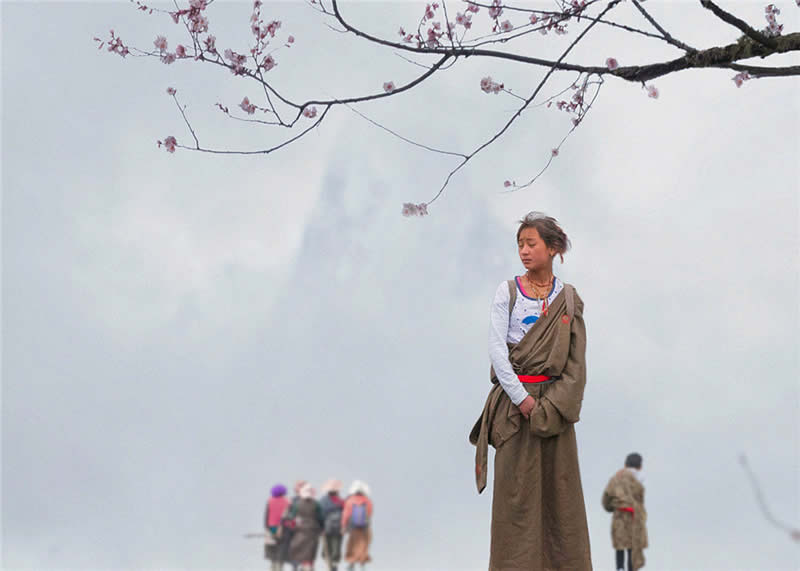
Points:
[[306, 491], [359, 486]]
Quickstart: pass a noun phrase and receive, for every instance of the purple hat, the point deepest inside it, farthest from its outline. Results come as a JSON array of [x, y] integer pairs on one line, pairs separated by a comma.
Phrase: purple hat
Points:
[[278, 490]]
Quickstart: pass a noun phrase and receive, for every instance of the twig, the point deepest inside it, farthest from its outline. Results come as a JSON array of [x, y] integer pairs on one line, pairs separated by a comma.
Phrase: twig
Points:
[[664, 33], [794, 533]]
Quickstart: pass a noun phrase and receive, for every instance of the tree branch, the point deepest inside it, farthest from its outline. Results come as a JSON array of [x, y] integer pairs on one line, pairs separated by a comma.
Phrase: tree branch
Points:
[[525, 105], [741, 24], [664, 33]]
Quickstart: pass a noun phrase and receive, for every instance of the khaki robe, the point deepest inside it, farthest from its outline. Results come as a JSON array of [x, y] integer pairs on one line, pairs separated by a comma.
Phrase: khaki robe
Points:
[[305, 539], [628, 531], [538, 511]]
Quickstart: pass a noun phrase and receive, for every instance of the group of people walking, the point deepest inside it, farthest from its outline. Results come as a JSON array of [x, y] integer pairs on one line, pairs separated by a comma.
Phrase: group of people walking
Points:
[[296, 527]]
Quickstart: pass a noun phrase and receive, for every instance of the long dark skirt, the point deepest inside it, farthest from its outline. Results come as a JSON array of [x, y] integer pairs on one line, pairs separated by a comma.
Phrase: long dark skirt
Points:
[[538, 512]]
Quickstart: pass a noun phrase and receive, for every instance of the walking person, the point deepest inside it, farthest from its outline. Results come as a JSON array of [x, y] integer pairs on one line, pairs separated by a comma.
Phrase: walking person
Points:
[[307, 528], [276, 507], [357, 523], [624, 498], [332, 506], [287, 528], [537, 346]]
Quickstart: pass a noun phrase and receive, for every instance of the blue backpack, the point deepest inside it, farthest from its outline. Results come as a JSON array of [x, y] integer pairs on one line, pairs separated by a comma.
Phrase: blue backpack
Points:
[[359, 518]]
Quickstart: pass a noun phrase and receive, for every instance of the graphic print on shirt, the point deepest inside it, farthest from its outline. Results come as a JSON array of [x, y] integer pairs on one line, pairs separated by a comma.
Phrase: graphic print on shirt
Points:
[[527, 311]]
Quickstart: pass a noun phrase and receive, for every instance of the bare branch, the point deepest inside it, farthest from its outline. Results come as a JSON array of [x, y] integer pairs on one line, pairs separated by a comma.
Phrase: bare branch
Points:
[[186, 120], [793, 533], [658, 27], [402, 138], [757, 71], [262, 151]]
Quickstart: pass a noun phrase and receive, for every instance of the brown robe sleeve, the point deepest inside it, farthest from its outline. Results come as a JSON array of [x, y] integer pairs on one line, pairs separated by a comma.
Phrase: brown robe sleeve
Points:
[[560, 404]]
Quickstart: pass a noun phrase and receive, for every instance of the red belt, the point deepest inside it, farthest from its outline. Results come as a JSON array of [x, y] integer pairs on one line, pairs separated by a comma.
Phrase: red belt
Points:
[[533, 378]]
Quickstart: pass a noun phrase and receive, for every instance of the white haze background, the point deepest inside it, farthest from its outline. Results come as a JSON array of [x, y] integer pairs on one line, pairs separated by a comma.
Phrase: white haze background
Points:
[[182, 331]]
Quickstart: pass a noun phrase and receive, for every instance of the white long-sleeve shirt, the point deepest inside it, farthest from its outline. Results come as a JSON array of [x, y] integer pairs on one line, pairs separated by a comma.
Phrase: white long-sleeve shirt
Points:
[[504, 330]]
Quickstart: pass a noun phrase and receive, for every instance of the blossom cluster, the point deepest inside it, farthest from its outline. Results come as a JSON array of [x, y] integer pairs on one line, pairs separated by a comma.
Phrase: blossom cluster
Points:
[[410, 209], [115, 44], [490, 86], [169, 144], [741, 77], [773, 28]]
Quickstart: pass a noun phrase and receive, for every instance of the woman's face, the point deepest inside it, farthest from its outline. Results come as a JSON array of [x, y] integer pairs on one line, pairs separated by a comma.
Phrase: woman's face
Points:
[[533, 252]]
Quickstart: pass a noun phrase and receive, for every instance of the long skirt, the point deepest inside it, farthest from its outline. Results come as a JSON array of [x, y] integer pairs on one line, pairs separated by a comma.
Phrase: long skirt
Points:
[[304, 545], [538, 511], [358, 546]]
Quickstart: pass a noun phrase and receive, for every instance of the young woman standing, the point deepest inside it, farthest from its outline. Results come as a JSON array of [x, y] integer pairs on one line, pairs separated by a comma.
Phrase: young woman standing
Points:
[[537, 346]]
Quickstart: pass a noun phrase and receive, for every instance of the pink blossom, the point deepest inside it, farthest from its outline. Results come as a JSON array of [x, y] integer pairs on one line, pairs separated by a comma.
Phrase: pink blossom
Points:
[[429, 15], [170, 143], [199, 24], [211, 43], [171, 90], [256, 4], [180, 51], [269, 63], [310, 112], [175, 16], [198, 4], [160, 43], [290, 39], [534, 18], [114, 45], [272, 27], [474, 8], [489, 86], [410, 209], [388, 87], [506, 26], [576, 122], [247, 107], [255, 29], [401, 31], [773, 28], [507, 183], [612, 64], [168, 58], [740, 78], [652, 92], [496, 9], [464, 20], [433, 38], [554, 152]]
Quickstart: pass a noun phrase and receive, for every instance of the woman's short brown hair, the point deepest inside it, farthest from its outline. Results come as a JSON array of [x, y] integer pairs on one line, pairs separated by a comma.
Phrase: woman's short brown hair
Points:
[[548, 229]]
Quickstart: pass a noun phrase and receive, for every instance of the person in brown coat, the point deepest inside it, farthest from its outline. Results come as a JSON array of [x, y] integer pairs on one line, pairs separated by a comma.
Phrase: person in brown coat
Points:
[[624, 497], [537, 347], [307, 529]]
